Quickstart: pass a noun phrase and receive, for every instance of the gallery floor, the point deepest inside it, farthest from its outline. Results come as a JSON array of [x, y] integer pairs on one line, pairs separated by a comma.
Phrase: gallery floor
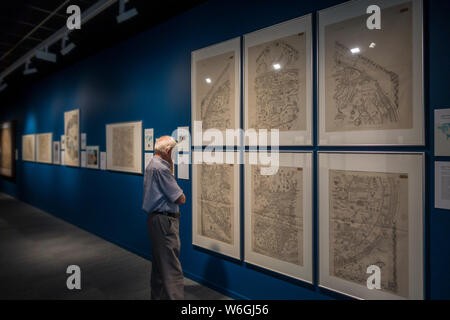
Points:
[[36, 248]]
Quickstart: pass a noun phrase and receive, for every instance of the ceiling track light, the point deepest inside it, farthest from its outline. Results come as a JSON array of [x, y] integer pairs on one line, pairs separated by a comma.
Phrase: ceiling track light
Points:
[[66, 48], [45, 55], [125, 15], [29, 70]]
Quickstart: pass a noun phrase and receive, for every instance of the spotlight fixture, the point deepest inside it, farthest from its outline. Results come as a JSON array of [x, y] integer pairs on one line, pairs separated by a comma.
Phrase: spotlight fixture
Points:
[[208, 80], [372, 45], [276, 66], [45, 55], [27, 68], [355, 50], [66, 48], [125, 15]]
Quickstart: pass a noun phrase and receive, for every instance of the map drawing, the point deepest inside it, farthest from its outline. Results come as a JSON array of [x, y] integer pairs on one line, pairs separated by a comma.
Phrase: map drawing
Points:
[[44, 147], [216, 202], [369, 226], [277, 214], [72, 137], [277, 96], [6, 151], [28, 144], [445, 130], [123, 146], [368, 75], [215, 91]]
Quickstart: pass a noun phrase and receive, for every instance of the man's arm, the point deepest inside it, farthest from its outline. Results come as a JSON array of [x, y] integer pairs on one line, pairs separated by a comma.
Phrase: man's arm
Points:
[[170, 187], [181, 199]]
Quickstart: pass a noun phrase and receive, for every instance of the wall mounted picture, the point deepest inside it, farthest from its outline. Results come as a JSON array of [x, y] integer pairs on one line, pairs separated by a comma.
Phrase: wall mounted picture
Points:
[[124, 146], [44, 144], [371, 81], [215, 207], [56, 152], [148, 139], [216, 84], [442, 184], [83, 141], [278, 214], [371, 217], [442, 132], [183, 139], [72, 138], [63, 142], [8, 149], [28, 147], [278, 81], [92, 157]]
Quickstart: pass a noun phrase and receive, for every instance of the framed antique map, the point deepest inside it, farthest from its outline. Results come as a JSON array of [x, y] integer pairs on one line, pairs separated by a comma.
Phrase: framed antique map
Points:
[[215, 207], [28, 147], [44, 145], [8, 149], [124, 146], [278, 81], [371, 81], [92, 157], [371, 217], [71, 139], [216, 87], [278, 214]]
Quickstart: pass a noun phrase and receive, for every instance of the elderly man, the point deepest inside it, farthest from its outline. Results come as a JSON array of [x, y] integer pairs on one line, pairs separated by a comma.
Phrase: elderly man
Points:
[[162, 195]]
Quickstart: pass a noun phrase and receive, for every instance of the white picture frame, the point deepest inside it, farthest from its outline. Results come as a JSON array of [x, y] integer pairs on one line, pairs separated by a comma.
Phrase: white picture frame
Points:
[[442, 184], [301, 26], [359, 41], [301, 271], [229, 249], [442, 132], [392, 164], [148, 139], [92, 157], [232, 47], [134, 141], [44, 153]]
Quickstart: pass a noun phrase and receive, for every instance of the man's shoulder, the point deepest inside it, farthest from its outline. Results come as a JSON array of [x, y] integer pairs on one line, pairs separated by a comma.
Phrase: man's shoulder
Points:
[[158, 167]]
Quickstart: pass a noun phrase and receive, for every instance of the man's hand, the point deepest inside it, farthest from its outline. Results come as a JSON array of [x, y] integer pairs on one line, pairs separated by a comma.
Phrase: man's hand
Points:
[[181, 199]]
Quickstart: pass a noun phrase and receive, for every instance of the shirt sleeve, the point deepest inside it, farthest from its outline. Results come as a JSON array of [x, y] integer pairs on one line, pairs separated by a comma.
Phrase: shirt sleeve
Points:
[[169, 185]]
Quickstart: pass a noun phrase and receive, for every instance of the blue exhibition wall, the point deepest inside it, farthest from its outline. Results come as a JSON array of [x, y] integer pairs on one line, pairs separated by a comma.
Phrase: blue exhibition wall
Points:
[[148, 78]]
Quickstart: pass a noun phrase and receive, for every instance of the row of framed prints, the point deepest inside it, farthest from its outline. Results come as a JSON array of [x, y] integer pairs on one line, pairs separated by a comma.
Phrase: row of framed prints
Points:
[[123, 146], [370, 215], [38, 148], [370, 82]]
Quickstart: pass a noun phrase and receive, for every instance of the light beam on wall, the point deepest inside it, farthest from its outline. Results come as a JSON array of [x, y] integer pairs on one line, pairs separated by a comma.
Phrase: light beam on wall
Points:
[[125, 15]]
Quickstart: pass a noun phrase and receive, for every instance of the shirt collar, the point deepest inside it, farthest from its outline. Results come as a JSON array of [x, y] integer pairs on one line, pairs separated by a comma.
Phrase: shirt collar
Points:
[[164, 162]]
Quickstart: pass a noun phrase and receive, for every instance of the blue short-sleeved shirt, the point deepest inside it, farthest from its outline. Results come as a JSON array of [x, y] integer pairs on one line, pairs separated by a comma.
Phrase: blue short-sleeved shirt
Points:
[[160, 187]]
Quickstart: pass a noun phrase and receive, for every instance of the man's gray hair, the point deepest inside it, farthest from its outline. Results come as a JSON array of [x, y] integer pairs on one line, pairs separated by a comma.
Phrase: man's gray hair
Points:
[[164, 143]]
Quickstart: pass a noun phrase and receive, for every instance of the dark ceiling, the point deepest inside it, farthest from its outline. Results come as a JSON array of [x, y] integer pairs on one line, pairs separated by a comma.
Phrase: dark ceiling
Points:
[[19, 18]]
